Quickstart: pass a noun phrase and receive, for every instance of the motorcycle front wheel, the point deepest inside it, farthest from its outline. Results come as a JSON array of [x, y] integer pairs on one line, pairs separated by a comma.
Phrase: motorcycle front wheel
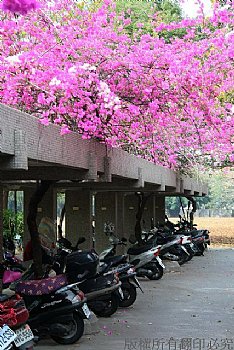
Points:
[[157, 271], [130, 294], [109, 307], [183, 258], [75, 330]]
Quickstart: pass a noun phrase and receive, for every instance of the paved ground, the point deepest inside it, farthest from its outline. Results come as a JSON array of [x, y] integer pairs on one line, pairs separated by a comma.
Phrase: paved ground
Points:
[[190, 310]]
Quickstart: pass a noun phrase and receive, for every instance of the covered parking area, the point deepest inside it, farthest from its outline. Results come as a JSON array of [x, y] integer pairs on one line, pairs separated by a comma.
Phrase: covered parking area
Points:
[[99, 182]]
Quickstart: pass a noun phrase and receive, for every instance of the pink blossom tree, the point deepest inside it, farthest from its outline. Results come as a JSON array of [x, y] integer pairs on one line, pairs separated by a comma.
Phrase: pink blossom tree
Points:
[[166, 98], [169, 102]]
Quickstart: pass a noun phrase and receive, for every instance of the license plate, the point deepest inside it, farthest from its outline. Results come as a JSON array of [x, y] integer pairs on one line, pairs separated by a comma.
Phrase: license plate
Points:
[[121, 293], [160, 262], [24, 334], [86, 310], [7, 336]]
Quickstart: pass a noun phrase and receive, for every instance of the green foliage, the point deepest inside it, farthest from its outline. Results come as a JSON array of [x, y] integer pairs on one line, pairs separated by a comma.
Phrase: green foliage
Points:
[[221, 194], [12, 224], [221, 191], [169, 11], [168, 35], [138, 14], [141, 14], [173, 205], [19, 196], [60, 202]]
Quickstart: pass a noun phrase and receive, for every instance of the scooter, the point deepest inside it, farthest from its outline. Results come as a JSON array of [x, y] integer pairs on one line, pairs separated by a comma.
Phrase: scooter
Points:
[[55, 307], [13, 262], [199, 238], [15, 333], [126, 271], [102, 292], [145, 258], [8, 275], [172, 247], [127, 276]]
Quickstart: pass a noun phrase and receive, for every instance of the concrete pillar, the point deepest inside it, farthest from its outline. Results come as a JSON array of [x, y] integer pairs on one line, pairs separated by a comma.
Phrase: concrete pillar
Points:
[[119, 220], [79, 216], [47, 207], [159, 212], [105, 212], [119, 214], [148, 213], [130, 209]]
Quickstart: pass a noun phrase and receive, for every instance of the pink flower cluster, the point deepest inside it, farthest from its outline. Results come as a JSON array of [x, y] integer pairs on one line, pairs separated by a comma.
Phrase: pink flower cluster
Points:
[[21, 7], [171, 103]]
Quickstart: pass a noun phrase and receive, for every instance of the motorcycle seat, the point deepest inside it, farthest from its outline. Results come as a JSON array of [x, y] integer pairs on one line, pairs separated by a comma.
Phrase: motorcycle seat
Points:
[[41, 287], [103, 268], [97, 283], [164, 240], [195, 233], [139, 250]]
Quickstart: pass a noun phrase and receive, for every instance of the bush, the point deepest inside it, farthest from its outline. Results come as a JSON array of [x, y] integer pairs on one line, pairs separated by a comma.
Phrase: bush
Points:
[[12, 224]]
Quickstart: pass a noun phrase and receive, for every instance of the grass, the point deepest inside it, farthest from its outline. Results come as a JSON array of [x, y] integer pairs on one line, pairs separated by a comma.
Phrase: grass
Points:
[[221, 229]]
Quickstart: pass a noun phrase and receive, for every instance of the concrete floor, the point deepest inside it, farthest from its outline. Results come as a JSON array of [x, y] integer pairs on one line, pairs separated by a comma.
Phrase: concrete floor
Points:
[[191, 309]]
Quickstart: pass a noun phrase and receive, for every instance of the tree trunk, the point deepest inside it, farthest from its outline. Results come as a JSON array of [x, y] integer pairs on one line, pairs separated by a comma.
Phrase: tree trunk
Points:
[[142, 199], [32, 225], [5, 199]]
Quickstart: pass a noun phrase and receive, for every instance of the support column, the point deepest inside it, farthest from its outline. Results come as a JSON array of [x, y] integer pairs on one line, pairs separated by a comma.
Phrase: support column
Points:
[[119, 220], [119, 215], [78, 217], [130, 210], [106, 211], [159, 211], [109, 208], [148, 213]]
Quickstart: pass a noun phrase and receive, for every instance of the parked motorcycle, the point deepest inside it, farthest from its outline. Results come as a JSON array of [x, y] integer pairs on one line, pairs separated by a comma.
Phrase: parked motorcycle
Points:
[[13, 262], [15, 333], [103, 292], [8, 275], [56, 308], [199, 238], [145, 258], [127, 275], [126, 271], [172, 247]]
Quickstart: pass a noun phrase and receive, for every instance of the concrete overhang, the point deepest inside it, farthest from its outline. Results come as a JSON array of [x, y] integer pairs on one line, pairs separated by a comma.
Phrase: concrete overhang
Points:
[[31, 151]]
